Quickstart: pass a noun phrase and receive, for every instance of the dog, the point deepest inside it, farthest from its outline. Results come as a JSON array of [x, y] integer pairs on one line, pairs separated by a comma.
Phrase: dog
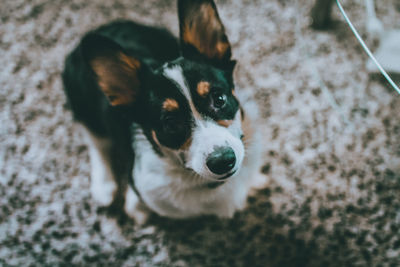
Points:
[[165, 110]]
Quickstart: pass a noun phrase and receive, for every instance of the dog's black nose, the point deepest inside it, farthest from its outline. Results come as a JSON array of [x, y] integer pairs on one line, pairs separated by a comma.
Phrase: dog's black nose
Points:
[[222, 160]]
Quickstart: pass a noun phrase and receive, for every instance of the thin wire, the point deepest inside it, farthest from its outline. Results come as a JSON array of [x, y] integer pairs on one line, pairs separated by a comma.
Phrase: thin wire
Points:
[[384, 73]]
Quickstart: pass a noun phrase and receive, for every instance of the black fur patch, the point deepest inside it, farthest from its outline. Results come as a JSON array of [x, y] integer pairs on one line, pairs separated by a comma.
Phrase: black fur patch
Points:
[[174, 127]]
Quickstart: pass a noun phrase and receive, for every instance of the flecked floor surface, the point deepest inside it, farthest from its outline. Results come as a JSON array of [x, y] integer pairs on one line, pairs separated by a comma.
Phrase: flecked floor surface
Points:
[[333, 195]]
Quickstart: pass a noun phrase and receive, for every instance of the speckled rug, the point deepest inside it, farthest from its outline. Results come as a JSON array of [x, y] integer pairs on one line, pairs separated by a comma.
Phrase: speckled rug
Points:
[[333, 196]]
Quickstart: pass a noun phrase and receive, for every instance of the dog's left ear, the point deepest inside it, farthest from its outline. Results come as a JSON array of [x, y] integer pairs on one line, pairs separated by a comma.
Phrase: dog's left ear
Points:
[[117, 74], [202, 32]]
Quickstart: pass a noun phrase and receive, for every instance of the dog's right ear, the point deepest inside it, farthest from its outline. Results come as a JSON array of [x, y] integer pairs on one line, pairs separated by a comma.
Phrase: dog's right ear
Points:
[[202, 32], [117, 73]]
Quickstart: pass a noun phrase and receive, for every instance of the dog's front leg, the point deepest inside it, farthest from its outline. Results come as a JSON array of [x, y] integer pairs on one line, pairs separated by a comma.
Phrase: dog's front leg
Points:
[[134, 207], [103, 185]]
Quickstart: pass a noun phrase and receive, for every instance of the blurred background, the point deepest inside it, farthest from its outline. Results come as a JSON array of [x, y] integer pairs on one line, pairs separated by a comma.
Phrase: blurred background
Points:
[[331, 130]]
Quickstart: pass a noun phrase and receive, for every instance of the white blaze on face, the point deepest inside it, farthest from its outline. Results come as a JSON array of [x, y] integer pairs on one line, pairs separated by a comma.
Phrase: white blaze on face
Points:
[[175, 74], [207, 134]]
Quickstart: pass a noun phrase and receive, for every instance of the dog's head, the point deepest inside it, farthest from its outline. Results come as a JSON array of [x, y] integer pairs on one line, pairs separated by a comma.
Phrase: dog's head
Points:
[[187, 107]]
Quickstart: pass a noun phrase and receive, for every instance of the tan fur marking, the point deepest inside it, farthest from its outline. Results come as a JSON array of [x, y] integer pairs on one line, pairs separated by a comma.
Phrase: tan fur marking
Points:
[[203, 88], [222, 47], [154, 135], [248, 130], [225, 123], [170, 104], [129, 61], [204, 30], [117, 78], [187, 144], [189, 35]]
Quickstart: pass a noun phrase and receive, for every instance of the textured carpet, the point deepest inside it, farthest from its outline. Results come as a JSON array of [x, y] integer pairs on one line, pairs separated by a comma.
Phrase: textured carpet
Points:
[[333, 195]]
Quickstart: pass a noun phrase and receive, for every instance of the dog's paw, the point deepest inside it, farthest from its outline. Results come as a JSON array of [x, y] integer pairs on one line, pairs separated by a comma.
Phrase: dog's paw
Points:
[[102, 186], [133, 207], [103, 193]]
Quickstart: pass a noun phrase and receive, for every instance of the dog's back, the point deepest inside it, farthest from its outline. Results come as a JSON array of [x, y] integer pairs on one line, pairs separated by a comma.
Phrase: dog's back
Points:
[[154, 46]]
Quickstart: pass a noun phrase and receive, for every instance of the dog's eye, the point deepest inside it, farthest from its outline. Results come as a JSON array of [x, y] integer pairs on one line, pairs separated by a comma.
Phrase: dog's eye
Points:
[[218, 99]]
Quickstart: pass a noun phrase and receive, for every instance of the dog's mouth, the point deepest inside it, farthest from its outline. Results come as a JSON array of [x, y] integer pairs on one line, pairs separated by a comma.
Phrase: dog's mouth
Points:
[[219, 180], [227, 175], [213, 185], [224, 178]]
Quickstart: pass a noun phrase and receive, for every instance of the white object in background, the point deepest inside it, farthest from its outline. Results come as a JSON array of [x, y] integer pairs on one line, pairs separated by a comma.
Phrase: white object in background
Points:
[[388, 53], [373, 25]]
